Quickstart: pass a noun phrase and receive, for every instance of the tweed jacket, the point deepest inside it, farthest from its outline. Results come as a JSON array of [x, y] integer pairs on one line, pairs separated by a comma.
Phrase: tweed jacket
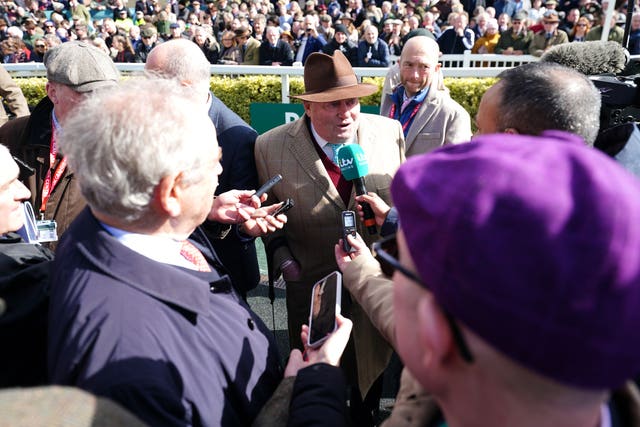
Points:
[[251, 55], [516, 42], [539, 43], [314, 224], [439, 121]]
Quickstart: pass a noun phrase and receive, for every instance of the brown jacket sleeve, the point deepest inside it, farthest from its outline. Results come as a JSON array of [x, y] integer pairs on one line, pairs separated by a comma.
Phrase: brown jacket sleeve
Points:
[[12, 95]]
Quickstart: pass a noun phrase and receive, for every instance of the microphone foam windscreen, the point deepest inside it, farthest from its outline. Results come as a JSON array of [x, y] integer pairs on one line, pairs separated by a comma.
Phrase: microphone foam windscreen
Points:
[[352, 161], [589, 58]]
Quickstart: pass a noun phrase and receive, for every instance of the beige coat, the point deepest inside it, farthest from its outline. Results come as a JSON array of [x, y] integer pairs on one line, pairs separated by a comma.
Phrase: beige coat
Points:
[[439, 121], [314, 225], [374, 292]]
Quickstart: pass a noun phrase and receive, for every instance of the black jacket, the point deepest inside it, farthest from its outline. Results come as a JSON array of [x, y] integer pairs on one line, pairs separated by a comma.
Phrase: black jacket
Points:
[[281, 53], [349, 49]]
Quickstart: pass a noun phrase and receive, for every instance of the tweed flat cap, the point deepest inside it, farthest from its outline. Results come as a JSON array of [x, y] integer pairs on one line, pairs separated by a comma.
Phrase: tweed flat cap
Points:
[[80, 66]]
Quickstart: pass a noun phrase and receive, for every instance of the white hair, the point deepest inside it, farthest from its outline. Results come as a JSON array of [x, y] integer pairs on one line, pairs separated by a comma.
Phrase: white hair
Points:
[[121, 142], [14, 32]]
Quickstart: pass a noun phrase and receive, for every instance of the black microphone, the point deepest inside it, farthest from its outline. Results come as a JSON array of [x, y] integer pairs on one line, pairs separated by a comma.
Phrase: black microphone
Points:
[[589, 58], [354, 167]]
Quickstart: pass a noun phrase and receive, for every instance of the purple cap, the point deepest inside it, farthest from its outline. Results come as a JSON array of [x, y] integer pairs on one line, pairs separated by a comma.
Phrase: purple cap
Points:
[[533, 243]]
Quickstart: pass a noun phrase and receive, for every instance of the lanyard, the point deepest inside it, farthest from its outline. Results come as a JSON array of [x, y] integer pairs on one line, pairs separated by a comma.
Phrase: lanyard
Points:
[[392, 115], [51, 180]]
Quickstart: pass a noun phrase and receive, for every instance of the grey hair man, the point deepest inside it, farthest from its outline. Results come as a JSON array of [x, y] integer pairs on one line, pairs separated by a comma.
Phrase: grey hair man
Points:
[[187, 354], [535, 97], [182, 60], [74, 71]]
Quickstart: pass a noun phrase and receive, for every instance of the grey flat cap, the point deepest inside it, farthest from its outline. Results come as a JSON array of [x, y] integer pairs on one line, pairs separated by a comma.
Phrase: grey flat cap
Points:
[[80, 66]]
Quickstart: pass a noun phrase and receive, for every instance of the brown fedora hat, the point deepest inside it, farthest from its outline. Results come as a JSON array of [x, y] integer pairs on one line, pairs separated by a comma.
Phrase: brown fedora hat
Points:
[[331, 78]]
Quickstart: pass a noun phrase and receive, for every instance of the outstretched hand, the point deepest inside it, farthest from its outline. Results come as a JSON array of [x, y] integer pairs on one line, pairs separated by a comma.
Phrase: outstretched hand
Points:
[[235, 206], [329, 352], [262, 221]]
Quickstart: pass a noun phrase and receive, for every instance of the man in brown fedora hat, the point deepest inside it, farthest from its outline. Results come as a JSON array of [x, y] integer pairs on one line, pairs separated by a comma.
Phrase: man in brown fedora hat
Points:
[[302, 152], [549, 36]]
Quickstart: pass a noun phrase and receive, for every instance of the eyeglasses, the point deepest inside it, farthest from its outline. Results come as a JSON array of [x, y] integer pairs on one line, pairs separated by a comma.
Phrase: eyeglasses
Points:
[[386, 251], [581, 25], [40, 45]]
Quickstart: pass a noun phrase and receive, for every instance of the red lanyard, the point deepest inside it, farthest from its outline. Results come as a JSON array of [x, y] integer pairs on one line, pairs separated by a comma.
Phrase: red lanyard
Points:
[[392, 114], [50, 181]]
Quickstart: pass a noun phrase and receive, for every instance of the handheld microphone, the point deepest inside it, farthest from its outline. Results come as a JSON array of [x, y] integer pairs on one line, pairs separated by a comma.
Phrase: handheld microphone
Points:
[[354, 167], [589, 58]]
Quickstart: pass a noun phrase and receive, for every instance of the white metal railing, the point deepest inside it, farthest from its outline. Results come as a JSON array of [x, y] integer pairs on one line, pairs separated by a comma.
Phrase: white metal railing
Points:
[[465, 65]]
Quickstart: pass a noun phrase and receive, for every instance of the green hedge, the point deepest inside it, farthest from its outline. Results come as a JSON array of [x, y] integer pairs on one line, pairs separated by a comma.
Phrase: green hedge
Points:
[[237, 93]]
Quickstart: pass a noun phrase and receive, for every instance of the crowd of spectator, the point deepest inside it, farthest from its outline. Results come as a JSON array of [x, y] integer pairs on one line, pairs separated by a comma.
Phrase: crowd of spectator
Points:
[[370, 33]]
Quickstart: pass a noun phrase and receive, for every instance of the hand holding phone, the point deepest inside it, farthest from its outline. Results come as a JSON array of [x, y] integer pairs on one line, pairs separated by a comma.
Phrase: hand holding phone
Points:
[[348, 228], [325, 305], [286, 205]]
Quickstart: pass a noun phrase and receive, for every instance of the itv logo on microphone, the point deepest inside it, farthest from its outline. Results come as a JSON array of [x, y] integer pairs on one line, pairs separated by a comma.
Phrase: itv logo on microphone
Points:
[[345, 163], [352, 162]]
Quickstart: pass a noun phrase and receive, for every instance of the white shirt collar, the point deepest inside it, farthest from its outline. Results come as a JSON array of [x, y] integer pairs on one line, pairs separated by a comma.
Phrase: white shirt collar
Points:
[[323, 142], [158, 248]]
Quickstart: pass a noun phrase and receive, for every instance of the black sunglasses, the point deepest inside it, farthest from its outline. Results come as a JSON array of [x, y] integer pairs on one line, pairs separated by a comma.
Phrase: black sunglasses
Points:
[[386, 251]]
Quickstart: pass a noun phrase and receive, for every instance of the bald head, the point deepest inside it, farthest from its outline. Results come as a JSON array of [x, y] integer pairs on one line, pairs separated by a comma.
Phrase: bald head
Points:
[[421, 46], [183, 60], [419, 66]]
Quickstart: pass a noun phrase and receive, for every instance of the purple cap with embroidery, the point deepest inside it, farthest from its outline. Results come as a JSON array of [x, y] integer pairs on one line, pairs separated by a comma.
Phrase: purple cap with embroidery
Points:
[[533, 243]]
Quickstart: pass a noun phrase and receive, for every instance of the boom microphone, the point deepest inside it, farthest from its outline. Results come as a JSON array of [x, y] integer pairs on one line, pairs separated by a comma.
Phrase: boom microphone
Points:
[[354, 167], [589, 58]]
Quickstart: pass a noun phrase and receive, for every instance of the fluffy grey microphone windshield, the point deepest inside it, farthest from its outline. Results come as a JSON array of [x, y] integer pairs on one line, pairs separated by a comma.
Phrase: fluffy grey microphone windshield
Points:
[[589, 58]]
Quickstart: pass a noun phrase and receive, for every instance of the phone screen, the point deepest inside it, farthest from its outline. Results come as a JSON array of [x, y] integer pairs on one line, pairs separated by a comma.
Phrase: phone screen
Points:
[[349, 221], [325, 303]]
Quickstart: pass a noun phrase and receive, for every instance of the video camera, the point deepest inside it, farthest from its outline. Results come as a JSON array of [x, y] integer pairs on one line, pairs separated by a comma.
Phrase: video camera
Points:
[[620, 99]]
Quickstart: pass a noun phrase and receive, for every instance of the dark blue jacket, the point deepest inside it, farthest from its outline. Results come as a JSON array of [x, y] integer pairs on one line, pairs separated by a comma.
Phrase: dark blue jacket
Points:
[[237, 139], [313, 45], [318, 397], [174, 346], [379, 54], [349, 49]]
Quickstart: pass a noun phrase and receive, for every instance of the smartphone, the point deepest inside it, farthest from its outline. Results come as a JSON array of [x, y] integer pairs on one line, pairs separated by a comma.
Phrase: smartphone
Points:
[[348, 228], [288, 204], [268, 185], [325, 305]]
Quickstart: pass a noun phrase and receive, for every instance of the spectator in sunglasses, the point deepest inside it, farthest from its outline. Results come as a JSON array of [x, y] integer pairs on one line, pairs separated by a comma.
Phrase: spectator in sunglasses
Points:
[[39, 49]]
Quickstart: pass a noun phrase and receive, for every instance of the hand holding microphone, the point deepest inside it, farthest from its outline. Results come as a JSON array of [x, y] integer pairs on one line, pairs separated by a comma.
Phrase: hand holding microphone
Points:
[[354, 167]]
